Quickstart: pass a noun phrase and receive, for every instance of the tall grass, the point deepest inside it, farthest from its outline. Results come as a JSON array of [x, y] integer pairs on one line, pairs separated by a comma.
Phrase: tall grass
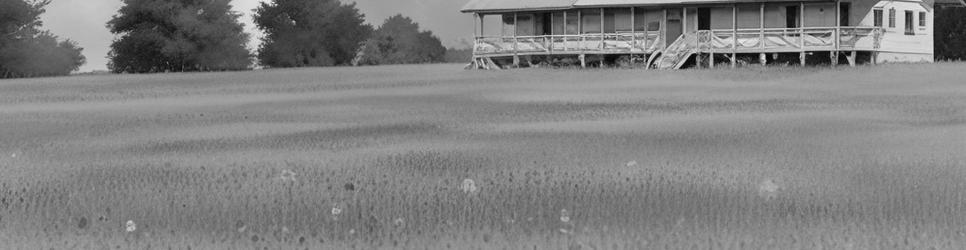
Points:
[[770, 158]]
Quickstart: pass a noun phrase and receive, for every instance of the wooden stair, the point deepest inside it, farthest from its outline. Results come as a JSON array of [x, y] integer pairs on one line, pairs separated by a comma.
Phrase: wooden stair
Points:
[[674, 56]]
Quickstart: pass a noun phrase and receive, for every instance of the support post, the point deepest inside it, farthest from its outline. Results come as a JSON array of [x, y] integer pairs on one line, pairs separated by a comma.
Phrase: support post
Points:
[[801, 31], [580, 31], [516, 30], [734, 35], [711, 60], [834, 56], [664, 29], [684, 20], [602, 30], [852, 59], [583, 60], [633, 33], [477, 35], [548, 40], [838, 32], [565, 30], [761, 26]]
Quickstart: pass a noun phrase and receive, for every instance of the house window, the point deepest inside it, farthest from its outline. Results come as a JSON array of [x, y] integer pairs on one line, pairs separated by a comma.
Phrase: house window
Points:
[[910, 18], [877, 18], [922, 19], [892, 18]]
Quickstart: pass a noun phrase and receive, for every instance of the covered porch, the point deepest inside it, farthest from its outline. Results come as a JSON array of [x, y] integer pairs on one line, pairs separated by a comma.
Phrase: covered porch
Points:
[[601, 27]]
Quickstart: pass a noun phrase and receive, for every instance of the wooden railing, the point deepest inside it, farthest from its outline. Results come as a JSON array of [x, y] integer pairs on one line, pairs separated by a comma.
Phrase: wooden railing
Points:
[[793, 39], [718, 41], [584, 43]]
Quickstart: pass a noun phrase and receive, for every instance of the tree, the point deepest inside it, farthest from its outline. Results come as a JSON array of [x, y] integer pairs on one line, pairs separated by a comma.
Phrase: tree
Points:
[[950, 33], [28, 51], [300, 33], [399, 41], [178, 35]]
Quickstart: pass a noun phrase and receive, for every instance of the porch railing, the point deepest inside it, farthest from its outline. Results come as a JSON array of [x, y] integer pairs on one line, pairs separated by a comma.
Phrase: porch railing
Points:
[[718, 41], [584, 43]]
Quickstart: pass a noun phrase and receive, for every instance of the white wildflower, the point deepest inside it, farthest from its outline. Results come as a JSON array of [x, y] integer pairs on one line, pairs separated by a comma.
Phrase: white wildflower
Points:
[[352, 231], [130, 226], [399, 221], [468, 186], [565, 215], [288, 175], [768, 189], [631, 163], [14, 155], [336, 211]]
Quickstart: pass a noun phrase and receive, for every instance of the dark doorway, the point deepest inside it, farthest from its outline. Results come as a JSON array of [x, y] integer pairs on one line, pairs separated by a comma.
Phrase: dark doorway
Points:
[[791, 17], [674, 26], [844, 10], [547, 24], [704, 19], [910, 17]]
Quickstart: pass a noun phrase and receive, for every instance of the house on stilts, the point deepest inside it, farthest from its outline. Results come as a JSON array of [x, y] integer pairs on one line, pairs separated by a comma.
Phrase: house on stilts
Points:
[[670, 34]]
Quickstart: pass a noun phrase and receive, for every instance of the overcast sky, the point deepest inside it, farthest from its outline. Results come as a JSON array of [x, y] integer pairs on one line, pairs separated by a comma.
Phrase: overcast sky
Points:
[[85, 21]]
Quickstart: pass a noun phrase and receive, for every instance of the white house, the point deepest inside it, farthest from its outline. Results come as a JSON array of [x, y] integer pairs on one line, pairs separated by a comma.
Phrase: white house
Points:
[[669, 34]]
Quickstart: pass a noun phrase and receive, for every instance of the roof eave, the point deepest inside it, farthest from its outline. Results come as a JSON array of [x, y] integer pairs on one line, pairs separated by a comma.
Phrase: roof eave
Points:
[[696, 3], [489, 11]]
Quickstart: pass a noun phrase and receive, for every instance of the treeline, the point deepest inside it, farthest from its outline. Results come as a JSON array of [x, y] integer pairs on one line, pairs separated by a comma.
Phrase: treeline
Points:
[[206, 35], [28, 51], [950, 33]]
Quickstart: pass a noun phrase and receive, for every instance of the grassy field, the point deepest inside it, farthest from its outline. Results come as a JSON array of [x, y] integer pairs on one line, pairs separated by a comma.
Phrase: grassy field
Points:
[[438, 157]]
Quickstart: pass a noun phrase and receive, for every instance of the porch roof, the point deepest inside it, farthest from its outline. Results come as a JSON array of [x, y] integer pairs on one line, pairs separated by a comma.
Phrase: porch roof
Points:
[[609, 3], [514, 5], [533, 5]]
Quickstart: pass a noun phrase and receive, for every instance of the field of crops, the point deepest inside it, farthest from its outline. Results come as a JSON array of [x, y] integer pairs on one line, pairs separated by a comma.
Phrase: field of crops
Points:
[[437, 157]]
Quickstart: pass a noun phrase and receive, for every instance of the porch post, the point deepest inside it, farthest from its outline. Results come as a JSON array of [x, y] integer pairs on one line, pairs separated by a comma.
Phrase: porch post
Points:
[[516, 30], [565, 30], [838, 31], [761, 43], [801, 32], [476, 37], [602, 30], [633, 33], [684, 20], [580, 32], [734, 35], [664, 29], [549, 40], [644, 44]]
